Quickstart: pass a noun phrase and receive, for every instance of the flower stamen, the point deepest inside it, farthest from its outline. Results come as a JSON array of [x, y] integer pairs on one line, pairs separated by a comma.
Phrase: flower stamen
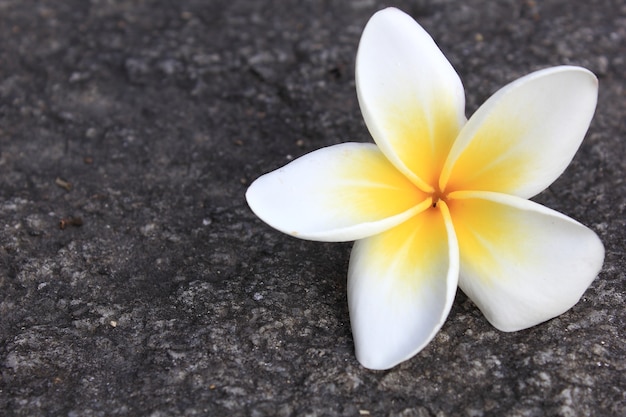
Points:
[[438, 195]]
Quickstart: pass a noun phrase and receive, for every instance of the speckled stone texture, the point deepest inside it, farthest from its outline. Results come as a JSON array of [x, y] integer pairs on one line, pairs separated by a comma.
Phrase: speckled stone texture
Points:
[[147, 119]]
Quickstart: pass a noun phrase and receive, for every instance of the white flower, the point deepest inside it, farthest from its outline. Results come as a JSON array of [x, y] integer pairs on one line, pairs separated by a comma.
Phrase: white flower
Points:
[[441, 201]]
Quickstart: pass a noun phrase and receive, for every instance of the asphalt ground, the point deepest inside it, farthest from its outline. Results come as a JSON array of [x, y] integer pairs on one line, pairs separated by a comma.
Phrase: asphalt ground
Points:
[[134, 279]]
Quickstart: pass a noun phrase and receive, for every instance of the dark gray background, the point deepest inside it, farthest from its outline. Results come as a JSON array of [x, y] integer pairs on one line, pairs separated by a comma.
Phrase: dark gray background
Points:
[[173, 299]]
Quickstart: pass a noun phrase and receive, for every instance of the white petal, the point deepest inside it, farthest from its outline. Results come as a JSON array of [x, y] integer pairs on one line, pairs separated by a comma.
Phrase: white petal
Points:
[[401, 285], [411, 97], [521, 263], [525, 135], [339, 193]]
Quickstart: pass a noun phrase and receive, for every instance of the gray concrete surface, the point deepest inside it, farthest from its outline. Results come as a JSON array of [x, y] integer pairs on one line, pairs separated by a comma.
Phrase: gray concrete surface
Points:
[[147, 120]]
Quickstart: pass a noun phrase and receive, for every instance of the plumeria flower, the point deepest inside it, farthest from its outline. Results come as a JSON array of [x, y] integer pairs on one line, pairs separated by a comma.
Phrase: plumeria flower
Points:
[[440, 201]]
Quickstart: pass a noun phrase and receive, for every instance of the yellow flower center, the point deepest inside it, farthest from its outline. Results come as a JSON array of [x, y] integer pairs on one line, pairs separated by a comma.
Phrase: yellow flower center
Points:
[[438, 195]]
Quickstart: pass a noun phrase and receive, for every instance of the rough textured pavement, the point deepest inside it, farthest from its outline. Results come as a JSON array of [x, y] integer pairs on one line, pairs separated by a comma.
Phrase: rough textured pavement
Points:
[[134, 280]]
